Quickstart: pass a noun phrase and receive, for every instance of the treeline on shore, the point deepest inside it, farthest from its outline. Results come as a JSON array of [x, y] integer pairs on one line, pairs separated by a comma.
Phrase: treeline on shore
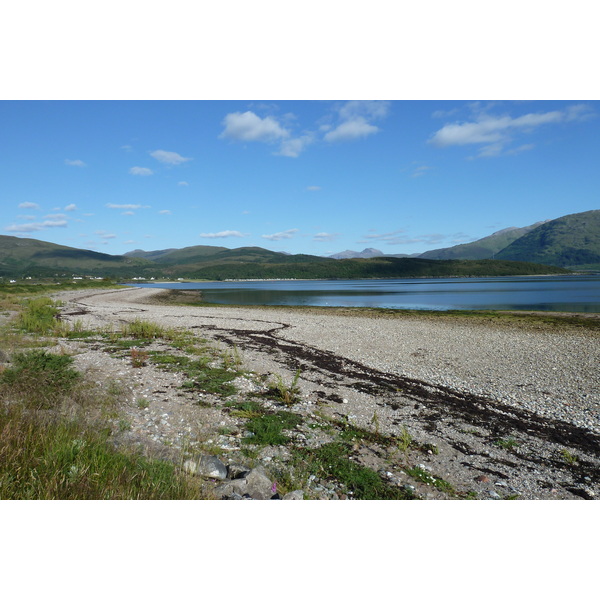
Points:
[[374, 268]]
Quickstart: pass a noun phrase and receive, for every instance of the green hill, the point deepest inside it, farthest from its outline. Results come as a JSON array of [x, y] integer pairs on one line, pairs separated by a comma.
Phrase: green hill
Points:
[[28, 257], [178, 255], [486, 247], [381, 267], [571, 241]]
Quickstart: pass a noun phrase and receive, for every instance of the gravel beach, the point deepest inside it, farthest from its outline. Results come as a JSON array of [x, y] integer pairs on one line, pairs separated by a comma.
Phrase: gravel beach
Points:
[[457, 382]]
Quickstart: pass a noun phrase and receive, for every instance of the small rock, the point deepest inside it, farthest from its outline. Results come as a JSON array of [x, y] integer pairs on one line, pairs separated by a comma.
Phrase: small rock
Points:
[[211, 466], [295, 495], [482, 479], [237, 471], [190, 466]]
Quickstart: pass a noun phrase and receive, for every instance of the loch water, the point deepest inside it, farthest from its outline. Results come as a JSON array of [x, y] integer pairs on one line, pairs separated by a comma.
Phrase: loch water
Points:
[[568, 293]]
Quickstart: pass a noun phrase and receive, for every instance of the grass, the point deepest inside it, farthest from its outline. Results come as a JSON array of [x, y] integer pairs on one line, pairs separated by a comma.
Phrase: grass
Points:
[[282, 392], [41, 379], [61, 460], [267, 429], [507, 443], [424, 476], [56, 429], [331, 461], [569, 458]]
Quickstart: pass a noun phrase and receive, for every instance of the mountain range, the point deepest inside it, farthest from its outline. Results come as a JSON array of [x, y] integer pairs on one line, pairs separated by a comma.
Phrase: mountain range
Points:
[[571, 242]]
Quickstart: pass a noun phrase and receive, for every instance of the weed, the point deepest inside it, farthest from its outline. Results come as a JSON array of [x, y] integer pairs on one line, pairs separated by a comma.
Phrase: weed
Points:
[[232, 359], [202, 376], [245, 410], [62, 460], [142, 403], [144, 330], [375, 422], [287, 394], [124, 424], [331, 461], [138, 358], [570, 459], [41, 378], [38, 316], [404, 440], [424, 476], [507, 443], [268, 428]]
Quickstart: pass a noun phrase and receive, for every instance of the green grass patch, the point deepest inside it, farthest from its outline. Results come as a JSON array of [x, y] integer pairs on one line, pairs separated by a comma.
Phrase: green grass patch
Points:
[[287, 394], [143, 330], [268, 428], [331, 461], [245, 410], [40, 378], [507, 443], [60, 460], [38, 316], [424, 476]]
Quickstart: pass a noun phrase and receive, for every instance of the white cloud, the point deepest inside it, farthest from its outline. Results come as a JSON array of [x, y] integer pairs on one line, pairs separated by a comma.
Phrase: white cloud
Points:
[[395, 238], [222, 234], [368, 109], [55, 217], [183, 183], [170, 158], [495, 133], [293, 147], [282, 235], [31, 205], [325, 237], [313, 188], [105, 234], [356, 117], [351, 130], [29, 227], [124, 206], [128, 213], [164, 212], [249, 127], [75, 163], [140, 171], [70, 207]]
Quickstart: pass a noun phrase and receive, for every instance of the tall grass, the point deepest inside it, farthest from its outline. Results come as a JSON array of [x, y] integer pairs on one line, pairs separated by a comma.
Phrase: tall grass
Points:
[[38, 316], [61, 460], [55, 439], [40, 379]]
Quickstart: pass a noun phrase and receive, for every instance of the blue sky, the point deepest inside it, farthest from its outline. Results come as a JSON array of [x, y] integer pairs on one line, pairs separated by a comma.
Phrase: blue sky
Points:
[[315, 177]]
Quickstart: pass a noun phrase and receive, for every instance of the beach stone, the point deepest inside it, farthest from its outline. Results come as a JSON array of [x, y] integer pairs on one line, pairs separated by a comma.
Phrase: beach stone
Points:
[[211, 466], [259, 484], [295, 495], [237, 471]]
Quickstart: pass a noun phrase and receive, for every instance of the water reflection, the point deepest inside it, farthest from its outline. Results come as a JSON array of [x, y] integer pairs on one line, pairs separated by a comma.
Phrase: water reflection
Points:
[[560, 293]]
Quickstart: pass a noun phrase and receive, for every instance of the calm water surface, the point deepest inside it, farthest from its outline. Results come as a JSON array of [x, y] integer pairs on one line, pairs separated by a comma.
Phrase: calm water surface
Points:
[[554, 293]]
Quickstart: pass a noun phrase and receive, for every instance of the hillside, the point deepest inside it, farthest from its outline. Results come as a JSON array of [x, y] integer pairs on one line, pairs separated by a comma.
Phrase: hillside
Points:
[[177, 255], [29, 257], [486, 247], [571, 241], [369, 268]]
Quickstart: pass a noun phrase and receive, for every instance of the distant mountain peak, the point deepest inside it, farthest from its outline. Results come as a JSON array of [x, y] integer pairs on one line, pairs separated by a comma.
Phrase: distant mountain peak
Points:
[[366, 253]]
